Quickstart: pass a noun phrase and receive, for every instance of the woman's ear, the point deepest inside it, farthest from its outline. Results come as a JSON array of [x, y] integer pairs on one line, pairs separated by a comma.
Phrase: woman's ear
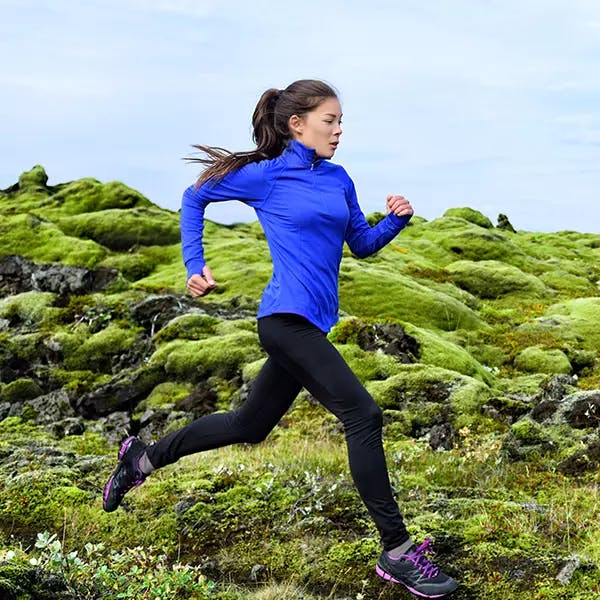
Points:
[[296, 124]]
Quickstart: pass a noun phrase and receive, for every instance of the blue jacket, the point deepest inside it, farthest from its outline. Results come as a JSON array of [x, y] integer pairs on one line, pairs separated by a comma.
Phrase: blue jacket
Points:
[[307, 207]]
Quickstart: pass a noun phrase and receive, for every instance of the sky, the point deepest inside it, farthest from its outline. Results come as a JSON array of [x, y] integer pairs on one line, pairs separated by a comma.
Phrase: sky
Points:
[[489, 104]]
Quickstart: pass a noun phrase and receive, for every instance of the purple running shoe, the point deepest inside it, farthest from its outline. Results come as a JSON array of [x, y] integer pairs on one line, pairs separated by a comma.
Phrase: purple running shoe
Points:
[[126, 475], [414, 571]]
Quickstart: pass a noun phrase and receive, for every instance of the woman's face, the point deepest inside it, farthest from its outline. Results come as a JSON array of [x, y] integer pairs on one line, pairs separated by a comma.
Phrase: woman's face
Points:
[[320, 128]]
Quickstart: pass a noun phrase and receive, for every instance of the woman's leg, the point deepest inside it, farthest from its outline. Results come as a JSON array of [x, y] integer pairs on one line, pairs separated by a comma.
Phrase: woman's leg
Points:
[[312, 360], [272, 393]]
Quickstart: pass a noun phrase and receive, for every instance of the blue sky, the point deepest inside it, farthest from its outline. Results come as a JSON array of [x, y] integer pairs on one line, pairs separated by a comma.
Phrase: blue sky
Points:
[[482, 103]]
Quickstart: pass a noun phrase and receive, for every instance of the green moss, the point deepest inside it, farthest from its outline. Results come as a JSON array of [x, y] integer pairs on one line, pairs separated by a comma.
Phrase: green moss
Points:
[[394, 296], [133, 266], [30, 308], [491, 279], [252, 369], [165, 394], [96, 352], [223, 356], [471, 215], [368, 365], [119, 229], [536, 359], [78, 382], [581, 317], [471, 242], [42, 241], [567, 283], [33, 179], [188, 327], [21, 390], [428, 395], [89, 195], [439, 352], [528, 431]]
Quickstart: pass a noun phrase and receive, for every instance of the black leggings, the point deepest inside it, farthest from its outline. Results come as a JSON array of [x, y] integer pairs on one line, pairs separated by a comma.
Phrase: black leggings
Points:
[[300, 355]]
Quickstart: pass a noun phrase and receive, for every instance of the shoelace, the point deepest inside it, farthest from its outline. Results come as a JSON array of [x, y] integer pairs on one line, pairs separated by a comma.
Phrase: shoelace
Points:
[[420, 561]]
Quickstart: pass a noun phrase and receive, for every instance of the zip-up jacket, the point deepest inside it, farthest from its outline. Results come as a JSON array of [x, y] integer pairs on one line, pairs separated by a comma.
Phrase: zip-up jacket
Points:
[[307, 207]]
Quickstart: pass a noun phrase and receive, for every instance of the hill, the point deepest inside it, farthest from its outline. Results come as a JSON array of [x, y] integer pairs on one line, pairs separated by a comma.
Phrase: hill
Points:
[[479, 342]]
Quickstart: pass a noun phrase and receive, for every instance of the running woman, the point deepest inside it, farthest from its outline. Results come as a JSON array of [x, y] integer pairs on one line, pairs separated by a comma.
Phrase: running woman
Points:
[[308, 208]]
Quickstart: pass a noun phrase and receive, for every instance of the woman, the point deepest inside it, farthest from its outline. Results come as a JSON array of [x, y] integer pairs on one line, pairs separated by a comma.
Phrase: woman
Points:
[[307, 207]]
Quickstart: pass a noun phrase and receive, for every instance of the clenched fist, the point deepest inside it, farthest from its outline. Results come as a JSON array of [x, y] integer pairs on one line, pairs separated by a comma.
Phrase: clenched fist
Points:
[[200, 285], [399, 205]]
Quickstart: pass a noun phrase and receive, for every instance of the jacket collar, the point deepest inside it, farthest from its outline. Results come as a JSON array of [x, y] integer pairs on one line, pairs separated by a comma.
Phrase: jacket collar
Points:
[[300, 154]]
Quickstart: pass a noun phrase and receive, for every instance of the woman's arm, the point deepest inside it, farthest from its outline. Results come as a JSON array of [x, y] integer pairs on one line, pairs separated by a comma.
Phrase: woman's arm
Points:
[[247, 185], [364, 240]]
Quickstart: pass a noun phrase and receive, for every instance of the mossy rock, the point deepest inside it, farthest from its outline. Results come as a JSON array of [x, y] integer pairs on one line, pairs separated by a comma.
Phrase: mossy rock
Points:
[[165, 394], [133, 266], [568, 283], [97, 351], [579, 317], [528, 431], [120, 229], [368, 365], [89, 195], [439, 352], [30, 308], [377, 293], [471, 215], [188, 327], [467, 241], [33, 179], [223, 356], [41, 241], [492, 279], [537, 359], [21, 390], [428, 396]]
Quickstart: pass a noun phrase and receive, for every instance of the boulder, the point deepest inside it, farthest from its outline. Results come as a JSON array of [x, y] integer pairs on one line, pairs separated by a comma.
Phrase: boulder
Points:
[[18, 274]]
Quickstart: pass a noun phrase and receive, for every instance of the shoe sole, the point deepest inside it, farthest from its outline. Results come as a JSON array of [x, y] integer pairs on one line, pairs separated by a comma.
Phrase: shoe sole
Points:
[[384, 575], [124, 447]]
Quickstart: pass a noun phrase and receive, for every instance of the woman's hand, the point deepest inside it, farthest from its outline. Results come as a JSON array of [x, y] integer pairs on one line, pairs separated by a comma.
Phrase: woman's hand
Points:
[[200, 285], [399, 205]]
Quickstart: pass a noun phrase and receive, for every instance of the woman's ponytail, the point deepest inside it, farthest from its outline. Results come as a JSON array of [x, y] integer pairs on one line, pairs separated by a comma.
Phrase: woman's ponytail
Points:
[[270, 128]]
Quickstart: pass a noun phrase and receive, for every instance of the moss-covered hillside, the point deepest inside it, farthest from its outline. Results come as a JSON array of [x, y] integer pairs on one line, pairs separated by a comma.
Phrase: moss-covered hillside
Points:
[[480, 343]]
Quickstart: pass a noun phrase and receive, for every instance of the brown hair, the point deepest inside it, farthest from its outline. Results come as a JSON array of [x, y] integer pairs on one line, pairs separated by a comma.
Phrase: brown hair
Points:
[[270, 127]]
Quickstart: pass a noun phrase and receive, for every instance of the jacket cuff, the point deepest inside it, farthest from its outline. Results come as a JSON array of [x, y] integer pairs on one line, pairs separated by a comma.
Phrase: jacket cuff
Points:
[[398, 222], [194, 267]]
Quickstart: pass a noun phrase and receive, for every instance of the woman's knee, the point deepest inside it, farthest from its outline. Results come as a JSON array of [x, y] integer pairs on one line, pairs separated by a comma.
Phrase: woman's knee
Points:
[[247, 432], [366, 419]]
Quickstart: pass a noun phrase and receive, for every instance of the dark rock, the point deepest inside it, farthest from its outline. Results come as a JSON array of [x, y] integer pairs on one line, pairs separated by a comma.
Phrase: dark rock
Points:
[[583, 460], [16, 408], [155, 422], [442, 436], [387, 337], [18, 274], [52, 407], [256, 572], [124, 392], [504, 223], [115, 427], [183, 506], [201, 401], [69, 426], [551, 394], [580, 410], [4, 410], [154, 312]]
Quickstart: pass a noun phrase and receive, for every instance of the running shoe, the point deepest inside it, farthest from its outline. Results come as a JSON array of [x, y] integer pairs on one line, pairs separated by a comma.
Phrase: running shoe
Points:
[[414, 571], [126, 475]]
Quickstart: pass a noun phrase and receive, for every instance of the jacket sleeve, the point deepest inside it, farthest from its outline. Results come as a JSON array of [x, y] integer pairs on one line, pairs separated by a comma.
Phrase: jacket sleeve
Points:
[[364, 240], [247, 184]]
